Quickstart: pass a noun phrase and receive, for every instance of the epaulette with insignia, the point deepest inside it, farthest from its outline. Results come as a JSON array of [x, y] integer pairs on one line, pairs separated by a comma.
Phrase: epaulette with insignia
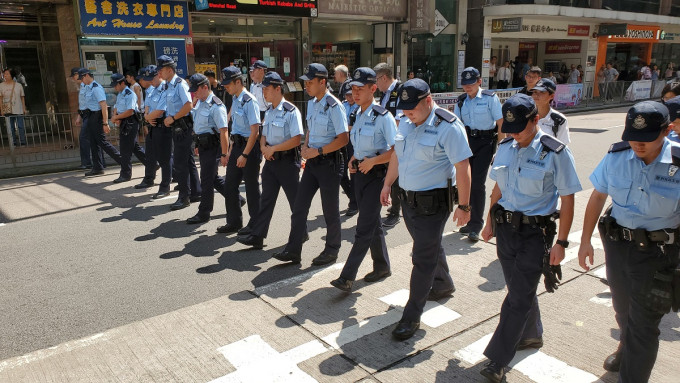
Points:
[[557, 119], [178, 81], [216, 100], [619, 146], [487, 92], [675, 153], [288, 106], [331, 101], [380, 110], [246, 98], [552, 143], [94, 84], [445, 115], [128, 91], [505, 140]]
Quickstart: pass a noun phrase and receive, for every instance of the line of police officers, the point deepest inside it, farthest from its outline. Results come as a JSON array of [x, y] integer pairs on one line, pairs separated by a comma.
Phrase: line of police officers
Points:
[[431, 152]]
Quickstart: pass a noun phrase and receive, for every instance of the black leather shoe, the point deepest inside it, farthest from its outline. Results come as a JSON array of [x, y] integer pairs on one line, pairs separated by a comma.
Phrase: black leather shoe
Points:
[[324, 259], [343, 284], [198, 218], [144, 185], [160, 195], [242, 201], [305, 238], [120, 179], [436, 295], [494, 372], [93, 173], [351, 212], [180, 204], [245, 231], [375, 276], [251, 240], [464, 230], [195, 198], [473, 236], [391, 220], [286, 256], [613, 361], [405, 330], [228, 229], [535, 343]]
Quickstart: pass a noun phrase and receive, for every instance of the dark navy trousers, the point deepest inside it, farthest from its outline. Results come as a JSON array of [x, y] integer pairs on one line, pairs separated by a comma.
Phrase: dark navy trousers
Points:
[[482, 153], [151, 162], [629, 271], [369, 231], [347, 181], [129, 146], [430, 269], [84, 144], [162, 153], [321, 173], [250, 174], [185, 166], [98, 141], [277, 174], [210, 161], [521, 255]]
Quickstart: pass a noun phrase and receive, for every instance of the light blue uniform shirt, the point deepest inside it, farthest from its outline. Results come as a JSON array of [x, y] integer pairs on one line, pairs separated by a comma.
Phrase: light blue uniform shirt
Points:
[[94, 94], [481, 112], [209, 117], [325, 122], [280, 125], [81, 97], [373, 133], [531, 179], [643, 196], [245, 111], [349, 108], [427, 153], [125, 100], [674, 137], [177, 94], [157, 99], [147, 92]]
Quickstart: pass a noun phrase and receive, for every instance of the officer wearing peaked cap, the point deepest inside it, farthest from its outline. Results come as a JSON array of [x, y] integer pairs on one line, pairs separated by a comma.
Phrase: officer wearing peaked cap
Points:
[[480, 112], [532, 171], [431, 160], [639, 233], [550, 121], [125, 114], [178, 119], [156, 102], [347, 181], [326, 135], [280, 146], [151, 162], [210, 130], [673, 106]]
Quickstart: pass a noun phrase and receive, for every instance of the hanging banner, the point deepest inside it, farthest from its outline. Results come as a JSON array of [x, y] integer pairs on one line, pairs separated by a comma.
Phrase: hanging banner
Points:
[[568, 95], [134, 17], [175, 49], [639, 90]]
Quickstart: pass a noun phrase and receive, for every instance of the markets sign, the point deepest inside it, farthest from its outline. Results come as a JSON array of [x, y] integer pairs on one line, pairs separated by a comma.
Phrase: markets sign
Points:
[[506, 25], [134, 17], [300, 8]]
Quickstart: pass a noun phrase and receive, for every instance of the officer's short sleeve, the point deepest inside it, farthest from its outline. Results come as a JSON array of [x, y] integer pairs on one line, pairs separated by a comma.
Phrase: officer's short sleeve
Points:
[[599, 176], [338, 115], [131, 101], [566, 179], [495, 108], [295, 123], [183, 92], [454, 141], [98, 93], [389, 129], [219, 115], [252, 111]]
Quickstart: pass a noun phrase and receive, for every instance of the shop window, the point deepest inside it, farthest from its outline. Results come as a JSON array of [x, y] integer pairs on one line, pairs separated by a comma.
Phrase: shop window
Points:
[[432, 59]]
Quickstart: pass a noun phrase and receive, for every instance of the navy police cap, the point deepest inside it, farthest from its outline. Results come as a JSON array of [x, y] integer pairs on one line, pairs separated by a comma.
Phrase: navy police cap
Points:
[[518, 110], [82, 72], [545, 85], [272, 78], [314, 70], [150, 72], [645, 121], [74, 71], [196, 81], [469, 76], [230, 74], [259, 64], [673, 106], [117, 78], [411, 93], [163, 61], [362, 76]]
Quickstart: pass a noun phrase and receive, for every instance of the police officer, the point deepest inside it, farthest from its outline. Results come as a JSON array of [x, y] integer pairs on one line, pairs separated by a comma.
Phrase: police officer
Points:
[[327, 134], [245, 157], [210, 128], [257, 71], [390, 86], [480, 111], [347, 181], [639, 233], [83, 137], [674, 115], [96, 116], [430, 157], [126, 115], [372, 137], [178, 119], [151, 162], [531, 170], [162, 135], [550, 121], [280, 145]]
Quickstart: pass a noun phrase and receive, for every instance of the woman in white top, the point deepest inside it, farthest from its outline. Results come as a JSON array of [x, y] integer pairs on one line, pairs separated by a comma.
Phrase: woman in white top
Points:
[[13, 101]]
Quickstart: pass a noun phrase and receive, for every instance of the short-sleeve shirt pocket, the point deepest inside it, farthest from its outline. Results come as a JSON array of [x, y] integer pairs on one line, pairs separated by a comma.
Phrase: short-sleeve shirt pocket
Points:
[[425, 147]]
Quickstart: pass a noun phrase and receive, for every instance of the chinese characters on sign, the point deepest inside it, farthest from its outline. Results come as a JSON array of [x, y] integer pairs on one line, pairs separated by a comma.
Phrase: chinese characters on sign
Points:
[[422, 18], [134, 17], [175, 49]]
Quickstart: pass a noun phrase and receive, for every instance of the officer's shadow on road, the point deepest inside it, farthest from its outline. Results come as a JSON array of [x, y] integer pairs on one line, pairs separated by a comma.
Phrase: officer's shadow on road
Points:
[[137, 213], [203, 246], [172, 229]]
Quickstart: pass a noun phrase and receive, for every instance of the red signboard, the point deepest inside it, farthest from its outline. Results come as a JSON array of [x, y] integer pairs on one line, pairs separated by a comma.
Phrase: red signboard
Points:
[[559, 47], [527, 45], [578, 30]]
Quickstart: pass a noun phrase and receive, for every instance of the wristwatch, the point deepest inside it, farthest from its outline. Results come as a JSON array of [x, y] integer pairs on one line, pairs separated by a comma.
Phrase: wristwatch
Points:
[[465, 208], [562, 243], [321, 151], [223, 155], [244, 155]]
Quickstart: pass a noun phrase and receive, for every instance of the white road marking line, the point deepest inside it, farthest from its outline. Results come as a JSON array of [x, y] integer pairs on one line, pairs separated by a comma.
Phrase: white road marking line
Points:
[[2, 224], [601, 272], [574, 239], [434, 314], [263, 290], [359, 330], [536, 365], [604, 298]]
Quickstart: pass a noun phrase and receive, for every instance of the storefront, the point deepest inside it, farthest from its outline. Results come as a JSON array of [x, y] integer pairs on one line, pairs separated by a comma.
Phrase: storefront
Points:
[[629, 49]]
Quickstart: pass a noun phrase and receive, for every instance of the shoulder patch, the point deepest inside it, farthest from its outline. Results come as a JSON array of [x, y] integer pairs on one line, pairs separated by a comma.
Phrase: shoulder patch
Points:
[[619, 147], [675, 153], [94, 85], [552, 143], [505, 140], [445, 115], [331, 101], [178, 81], [487, 92], [216, 100], [128, 92], [246, 98], [557, 119], [288, 106], [380, 110]]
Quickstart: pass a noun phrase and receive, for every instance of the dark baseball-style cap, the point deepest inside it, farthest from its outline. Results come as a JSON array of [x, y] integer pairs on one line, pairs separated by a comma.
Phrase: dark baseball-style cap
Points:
[[117, 78], [362, 76], [82, 72], [518, 110], [469, 76], [545, 85], [259, 64], [163, 61], [673, 106], [272, 78], [412, 92], [314, 70], [74, 71], [196, 81], [345, 89], [150, 72], [230, 74], [645, 121]]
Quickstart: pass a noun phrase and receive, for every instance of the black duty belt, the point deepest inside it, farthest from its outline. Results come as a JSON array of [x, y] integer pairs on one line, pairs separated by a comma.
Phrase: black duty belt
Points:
[[290, 153], [663, 236], [476, 133], [377, 170], [239, 139], [412, 197], [514, 217]]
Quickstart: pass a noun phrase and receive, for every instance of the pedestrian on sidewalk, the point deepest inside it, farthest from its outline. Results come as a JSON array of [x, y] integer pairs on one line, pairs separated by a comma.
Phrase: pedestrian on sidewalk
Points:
[[550, 121], [431, 160], [161, 140], [639, 232], [611, 75], [372, 137], [282, 133], [504, 75], [532, 171], [13, 101]]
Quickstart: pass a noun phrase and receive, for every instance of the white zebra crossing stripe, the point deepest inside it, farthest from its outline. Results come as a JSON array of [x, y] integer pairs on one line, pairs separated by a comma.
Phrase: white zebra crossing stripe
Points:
[[434, 314], [604, 298]]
